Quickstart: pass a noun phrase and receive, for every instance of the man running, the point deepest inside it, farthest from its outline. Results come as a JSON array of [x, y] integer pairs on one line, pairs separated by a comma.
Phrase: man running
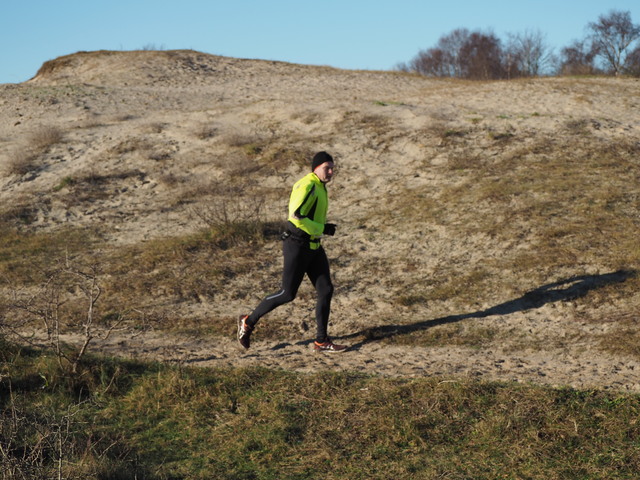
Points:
[[303, 254]]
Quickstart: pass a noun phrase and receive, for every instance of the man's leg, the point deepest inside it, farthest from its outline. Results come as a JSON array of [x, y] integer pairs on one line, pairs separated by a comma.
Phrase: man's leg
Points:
[[320, 276], [296, 259]]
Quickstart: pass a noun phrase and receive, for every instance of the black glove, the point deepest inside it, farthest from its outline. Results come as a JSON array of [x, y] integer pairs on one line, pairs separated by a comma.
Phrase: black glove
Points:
[[329, 229]]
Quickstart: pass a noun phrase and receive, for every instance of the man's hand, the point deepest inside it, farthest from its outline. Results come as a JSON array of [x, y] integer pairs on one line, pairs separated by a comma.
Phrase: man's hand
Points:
[[329, 229]]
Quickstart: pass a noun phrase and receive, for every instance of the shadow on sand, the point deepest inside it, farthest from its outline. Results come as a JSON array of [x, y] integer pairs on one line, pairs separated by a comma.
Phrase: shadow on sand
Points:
[[564, 290]]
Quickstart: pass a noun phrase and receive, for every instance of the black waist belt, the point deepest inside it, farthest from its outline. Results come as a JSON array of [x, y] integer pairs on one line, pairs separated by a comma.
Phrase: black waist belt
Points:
[[300, 234]]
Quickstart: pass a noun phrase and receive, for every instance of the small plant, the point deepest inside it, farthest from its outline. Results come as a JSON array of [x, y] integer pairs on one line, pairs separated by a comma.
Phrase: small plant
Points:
[[577, 126], [232, 222], [500, 135], [22, 162], [206, 132], [27, 159], [44, 137], [65, 301], [64, 183], [156, 127]]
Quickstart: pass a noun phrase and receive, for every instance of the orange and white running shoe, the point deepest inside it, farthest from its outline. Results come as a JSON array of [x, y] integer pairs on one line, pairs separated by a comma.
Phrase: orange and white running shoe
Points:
[[328, 346], [244, 331]]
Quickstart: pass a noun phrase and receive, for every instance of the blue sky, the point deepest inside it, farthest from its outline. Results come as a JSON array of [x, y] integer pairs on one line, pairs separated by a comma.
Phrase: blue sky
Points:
[[354, 34]]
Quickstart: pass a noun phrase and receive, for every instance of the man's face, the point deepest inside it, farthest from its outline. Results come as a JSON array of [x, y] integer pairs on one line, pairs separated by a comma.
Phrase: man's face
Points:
[[324, 171]]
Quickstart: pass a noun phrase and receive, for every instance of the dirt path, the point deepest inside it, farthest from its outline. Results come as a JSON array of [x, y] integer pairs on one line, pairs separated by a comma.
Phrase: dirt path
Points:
[[583, 367]]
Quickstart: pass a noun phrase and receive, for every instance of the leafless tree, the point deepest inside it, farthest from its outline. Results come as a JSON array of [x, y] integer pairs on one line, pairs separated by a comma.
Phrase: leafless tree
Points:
[[612, 35], [443, 60], [481, 57], [462, 54], [430, 63], [527, 54], [578, 59], [632, 65], [452, 44]]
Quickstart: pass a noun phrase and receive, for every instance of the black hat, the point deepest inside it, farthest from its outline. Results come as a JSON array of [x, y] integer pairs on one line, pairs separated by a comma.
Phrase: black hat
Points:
[[319, 158]]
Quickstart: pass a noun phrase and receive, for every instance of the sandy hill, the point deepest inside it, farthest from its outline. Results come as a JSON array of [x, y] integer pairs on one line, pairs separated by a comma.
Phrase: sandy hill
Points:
[[485, 228]]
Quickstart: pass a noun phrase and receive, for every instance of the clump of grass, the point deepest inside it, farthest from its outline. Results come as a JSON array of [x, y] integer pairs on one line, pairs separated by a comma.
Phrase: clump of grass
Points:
[[497, 136], [279, 157], [145, 147], [22, 162], [28, 158], [445, 134], [155, 127], [64, 183], [251, 145], [386, 103], [90, 186], [22, 212], [44, 137], [307, 117], [206, 131], [577, 126], [134, 144]]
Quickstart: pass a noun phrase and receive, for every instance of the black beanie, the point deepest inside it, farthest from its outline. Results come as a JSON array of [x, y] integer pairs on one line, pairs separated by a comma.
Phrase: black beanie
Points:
[[319, 158]]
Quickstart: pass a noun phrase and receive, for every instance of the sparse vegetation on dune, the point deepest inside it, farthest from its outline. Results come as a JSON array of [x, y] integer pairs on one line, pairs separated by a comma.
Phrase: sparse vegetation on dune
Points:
[[486, 230]]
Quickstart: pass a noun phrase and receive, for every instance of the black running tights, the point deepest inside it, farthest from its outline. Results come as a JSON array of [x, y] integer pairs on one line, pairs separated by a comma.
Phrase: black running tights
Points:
[[299, 260]]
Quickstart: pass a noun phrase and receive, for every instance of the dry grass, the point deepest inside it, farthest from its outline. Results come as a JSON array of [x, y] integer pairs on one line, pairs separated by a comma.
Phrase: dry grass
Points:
[[28, 158], [536, 210], [206, 131]]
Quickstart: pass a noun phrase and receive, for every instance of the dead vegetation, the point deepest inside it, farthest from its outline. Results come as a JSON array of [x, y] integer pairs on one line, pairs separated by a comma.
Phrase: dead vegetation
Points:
[[28, 157]]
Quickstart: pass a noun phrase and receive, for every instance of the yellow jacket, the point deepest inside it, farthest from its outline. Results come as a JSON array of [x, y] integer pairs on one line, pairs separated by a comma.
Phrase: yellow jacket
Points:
[[308, 205]]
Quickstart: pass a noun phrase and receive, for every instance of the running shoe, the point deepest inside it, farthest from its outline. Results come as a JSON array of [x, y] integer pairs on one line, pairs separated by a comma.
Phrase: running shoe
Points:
[[328, 346], [244, 331]]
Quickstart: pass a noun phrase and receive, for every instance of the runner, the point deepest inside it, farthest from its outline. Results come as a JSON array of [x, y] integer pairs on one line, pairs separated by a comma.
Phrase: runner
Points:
[[303, 254]]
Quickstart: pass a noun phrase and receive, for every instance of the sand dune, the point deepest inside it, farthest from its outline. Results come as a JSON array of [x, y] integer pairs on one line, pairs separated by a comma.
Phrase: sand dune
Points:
[[159, 127]]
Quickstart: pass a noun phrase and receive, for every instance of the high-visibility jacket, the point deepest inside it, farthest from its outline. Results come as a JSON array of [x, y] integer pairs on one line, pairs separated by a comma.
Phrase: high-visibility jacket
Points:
[[308, 207]]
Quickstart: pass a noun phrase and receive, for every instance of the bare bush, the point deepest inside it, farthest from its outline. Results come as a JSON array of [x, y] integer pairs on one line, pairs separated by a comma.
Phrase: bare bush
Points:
[[38, 446], [632, 66], [44, 137], [22, 162], [205, 131], [65, 302], [233, 222], [481, 57], [444, 59], [26, 159]]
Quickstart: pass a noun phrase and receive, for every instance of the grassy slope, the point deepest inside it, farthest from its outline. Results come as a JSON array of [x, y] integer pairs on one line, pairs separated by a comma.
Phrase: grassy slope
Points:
[[119, 419]]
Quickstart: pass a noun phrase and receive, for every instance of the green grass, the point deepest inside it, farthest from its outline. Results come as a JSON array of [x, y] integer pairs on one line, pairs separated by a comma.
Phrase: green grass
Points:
[[134, 420]]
